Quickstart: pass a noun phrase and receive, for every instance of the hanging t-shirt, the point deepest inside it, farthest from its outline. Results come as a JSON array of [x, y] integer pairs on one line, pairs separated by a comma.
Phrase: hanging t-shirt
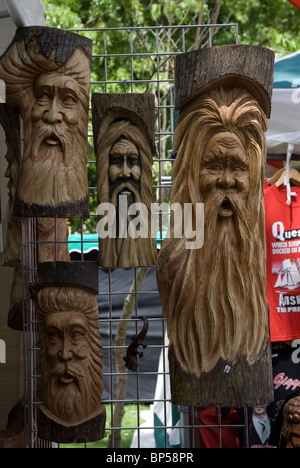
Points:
[[283, 262]]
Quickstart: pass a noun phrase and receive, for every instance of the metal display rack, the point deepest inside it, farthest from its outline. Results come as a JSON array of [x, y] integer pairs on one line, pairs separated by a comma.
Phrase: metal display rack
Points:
[[156, 66]]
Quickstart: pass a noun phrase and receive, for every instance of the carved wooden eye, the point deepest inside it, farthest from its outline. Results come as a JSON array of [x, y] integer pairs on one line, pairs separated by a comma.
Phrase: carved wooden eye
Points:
[[133, 161], [53, 336], [77, 335], [69, 100], [116, 160], [215, 168], [44, 98], [239, 169]]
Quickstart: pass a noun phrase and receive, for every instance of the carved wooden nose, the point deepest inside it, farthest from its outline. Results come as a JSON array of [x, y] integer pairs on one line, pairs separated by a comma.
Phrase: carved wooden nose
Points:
[[125, 171], [65, 354], [226, 180], [53, 115]]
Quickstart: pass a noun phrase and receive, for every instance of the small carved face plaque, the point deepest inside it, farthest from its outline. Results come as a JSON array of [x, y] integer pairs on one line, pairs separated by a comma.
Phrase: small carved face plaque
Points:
[[225, 169], [291, 426], [124, 170], [71, 352]]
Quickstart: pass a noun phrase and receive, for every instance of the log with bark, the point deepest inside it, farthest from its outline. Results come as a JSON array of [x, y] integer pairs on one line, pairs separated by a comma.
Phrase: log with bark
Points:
[[124, 146], [214, 294], [47, 76], [71, 382]]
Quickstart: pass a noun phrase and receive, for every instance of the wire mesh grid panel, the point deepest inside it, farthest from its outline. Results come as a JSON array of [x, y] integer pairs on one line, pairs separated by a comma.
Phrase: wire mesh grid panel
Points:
[[138, 404]]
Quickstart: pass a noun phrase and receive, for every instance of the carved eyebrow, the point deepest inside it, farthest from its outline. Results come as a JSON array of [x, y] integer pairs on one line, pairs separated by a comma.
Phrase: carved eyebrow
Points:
[[115, 152], [42, 88], [216, 154], [63, 92], [52, 329], [78, 326], [212, 156], [240, 160], [77, 322]]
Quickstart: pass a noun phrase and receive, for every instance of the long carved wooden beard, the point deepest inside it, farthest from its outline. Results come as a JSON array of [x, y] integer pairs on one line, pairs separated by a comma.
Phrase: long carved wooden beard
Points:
[[230, 300], [73, 402], [52, 174], [125, 249], [120, 251], [216, 301]]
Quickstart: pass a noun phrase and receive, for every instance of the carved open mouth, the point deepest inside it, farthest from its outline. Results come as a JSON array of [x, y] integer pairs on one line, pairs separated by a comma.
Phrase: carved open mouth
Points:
[[226, 209], [66, 379], [53, 140]]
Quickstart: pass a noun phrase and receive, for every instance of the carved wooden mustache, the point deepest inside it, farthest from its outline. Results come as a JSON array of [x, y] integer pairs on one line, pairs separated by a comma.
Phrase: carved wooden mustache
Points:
[[227, 203], [128, 186], [52, 136], [68, 373]]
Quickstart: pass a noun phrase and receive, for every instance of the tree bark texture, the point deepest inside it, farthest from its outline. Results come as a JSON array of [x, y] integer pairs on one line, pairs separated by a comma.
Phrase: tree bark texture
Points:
[[75, 274], [245, 66], [56, 431], [140, 108], [237, 385]]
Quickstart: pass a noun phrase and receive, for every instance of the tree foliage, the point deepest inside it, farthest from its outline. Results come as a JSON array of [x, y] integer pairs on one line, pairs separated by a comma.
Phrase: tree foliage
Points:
[[273, 24]]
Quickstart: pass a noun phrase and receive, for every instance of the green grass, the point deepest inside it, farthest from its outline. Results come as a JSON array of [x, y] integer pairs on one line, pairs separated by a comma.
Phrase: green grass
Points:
[[130, 419]]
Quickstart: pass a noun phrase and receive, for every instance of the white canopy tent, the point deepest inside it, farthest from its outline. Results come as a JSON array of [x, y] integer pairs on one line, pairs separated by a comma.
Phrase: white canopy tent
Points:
[[284, 125], [23, 12]]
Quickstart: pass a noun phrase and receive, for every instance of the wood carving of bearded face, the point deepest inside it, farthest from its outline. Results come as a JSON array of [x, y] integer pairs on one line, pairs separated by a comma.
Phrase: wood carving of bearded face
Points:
[[54, 172], [71, 353], [214, 297], [47, 74], [291, 423], [124, 165]]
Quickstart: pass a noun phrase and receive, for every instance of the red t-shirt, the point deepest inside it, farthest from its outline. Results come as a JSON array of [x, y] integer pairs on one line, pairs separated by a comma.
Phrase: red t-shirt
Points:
[[283, 262]]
